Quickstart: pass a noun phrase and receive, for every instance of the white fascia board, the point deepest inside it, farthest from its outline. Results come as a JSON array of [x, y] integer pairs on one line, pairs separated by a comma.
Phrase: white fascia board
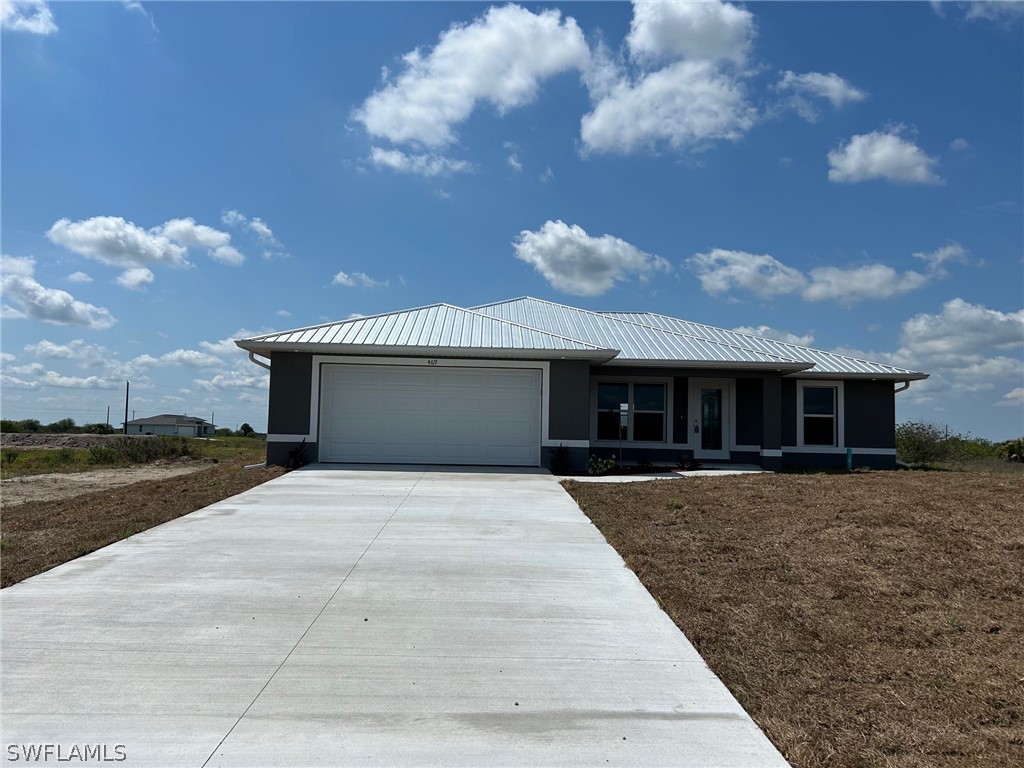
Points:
[[715, 365], [489, 353], [910, 376]]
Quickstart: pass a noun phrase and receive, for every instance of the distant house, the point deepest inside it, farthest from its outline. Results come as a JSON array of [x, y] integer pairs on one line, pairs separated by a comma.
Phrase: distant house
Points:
[[513, 382], [171, 424]]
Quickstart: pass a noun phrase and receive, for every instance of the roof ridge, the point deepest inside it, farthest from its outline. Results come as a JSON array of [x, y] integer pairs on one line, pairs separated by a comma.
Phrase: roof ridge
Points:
[[661, 330], [765, 338], [348, 320]]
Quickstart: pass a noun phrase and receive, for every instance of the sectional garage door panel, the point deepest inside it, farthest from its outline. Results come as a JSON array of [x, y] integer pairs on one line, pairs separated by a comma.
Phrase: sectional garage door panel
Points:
[[420, 415]]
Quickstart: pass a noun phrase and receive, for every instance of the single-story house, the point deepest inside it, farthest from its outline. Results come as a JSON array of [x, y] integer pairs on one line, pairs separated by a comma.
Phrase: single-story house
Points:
[[510, 382], [171, 424]]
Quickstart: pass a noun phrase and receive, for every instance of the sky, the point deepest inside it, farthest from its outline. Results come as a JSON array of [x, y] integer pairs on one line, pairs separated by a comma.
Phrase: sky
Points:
[[848, 176]]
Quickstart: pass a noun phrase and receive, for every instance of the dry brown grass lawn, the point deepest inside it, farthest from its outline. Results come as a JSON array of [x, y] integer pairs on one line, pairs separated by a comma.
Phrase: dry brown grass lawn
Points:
[[39, 535], [870, 619]]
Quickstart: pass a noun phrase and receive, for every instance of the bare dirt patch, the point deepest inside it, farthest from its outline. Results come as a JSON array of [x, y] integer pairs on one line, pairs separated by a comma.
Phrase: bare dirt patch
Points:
[[64, 485], [38, 535], [863, 620]]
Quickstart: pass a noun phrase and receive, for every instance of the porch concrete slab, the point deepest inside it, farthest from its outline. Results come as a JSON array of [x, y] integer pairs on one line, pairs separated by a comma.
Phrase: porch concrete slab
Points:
[[357, 616]]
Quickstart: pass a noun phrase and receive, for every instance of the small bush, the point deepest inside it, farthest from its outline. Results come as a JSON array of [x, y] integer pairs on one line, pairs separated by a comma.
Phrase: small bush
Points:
[[559, 460], [10, 457], [922, 443], [1009, 448], [599, 466], [129, 450]]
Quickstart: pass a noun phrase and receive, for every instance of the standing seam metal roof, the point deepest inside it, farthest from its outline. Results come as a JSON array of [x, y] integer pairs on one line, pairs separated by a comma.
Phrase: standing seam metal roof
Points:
[[437, 325], [528, 324], [635, 340], [824, 362]]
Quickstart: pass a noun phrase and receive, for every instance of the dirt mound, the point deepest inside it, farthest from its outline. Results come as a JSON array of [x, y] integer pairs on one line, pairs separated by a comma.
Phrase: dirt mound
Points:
[[41, 441]]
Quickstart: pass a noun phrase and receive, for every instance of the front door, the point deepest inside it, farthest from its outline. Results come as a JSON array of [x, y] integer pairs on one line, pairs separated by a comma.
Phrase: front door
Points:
[[711, 418]]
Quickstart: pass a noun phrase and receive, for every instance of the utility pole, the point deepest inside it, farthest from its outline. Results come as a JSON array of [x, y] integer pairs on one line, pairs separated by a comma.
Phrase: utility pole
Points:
[[127, 386], [108, 415]]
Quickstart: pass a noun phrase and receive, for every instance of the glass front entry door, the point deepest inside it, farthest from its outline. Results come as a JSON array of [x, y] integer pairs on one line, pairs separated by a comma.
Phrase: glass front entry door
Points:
[[709, 403]]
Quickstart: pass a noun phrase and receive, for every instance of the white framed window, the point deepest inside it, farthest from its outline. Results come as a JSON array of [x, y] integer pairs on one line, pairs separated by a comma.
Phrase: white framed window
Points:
[[631, 411], [819, 419]]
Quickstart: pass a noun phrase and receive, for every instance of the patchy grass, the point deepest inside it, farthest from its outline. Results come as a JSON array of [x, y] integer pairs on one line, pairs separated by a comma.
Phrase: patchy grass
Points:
[[37, 536], [865, 619], [126, 452]]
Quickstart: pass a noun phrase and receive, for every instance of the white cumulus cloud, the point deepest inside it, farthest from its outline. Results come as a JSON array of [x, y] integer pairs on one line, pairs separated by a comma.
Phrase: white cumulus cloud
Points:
[[767, 332], [963, 329], [114, 241], [691, 30], [881, 155], [32, 16], [829, 86], [721, 271], [575, 262], [685, 105], [135, 279], [499, 58], [1015, 398], [78, 277], [49, 305], [419, 164], [358, 279]]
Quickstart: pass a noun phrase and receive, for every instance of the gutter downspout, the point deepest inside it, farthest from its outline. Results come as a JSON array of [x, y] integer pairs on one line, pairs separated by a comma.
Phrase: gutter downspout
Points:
[[906, 384], [261, 364]]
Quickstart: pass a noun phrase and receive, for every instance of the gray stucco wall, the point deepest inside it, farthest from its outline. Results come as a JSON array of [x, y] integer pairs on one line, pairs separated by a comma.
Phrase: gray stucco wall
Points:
[[749, 411], [569, 400], [788, 412], [870, 409], [290, 386]]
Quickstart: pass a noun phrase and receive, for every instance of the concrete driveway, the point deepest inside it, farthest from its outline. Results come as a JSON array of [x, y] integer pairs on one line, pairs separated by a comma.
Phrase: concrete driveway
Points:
[[344, 616]]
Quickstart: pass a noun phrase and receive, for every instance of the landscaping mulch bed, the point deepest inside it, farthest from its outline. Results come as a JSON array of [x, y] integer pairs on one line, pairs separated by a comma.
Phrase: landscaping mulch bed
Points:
[[39, 535], [871, 619]]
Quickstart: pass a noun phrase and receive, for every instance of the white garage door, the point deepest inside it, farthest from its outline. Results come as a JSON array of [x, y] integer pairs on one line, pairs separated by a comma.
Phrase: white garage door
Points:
[[435, 415]]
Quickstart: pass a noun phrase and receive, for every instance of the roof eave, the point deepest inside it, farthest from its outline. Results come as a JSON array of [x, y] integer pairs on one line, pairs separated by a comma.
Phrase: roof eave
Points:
[[725, 365], [379, 350], [887, 376]]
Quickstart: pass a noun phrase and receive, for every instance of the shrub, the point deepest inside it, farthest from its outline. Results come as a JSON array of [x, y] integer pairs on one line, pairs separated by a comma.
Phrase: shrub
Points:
[[919, 443], [9, 426], [559, 460], [10, 457], [128, 450], [1011, 448], [599, 466], [99, 428]]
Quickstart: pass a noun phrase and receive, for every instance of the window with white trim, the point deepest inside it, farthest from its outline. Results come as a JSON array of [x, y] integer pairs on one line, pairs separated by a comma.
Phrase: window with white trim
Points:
[[819, 415], [631, 411]]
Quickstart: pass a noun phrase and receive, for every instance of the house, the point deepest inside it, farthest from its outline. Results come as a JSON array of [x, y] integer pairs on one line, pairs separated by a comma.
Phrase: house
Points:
[[505, 383], [171, 424]]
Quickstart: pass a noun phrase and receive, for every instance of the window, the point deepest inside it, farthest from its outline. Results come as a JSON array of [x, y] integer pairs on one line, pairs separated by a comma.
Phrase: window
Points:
[[819, 414], [631, 411]]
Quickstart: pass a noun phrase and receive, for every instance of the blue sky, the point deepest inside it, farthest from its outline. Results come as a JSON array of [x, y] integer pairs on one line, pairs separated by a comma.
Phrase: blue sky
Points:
[[175, 175]]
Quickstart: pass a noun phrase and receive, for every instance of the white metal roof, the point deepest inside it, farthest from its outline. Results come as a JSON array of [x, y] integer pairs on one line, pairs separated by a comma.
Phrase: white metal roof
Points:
[[637, 342], [824, 362], [534, 329], [439, 329]]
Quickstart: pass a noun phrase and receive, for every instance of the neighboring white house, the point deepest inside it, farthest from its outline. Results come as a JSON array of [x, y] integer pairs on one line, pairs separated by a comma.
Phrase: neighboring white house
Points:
[[171, 424]]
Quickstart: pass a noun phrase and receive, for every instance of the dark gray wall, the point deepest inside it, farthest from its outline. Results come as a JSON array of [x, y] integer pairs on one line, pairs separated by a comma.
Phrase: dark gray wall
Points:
[[569, 400], [680, 408], [870, 408], [290, 386], [788, 412], [749, 411]]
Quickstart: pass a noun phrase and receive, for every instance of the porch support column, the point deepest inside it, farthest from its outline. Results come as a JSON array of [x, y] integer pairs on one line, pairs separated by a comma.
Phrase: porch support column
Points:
[[771, 439]]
